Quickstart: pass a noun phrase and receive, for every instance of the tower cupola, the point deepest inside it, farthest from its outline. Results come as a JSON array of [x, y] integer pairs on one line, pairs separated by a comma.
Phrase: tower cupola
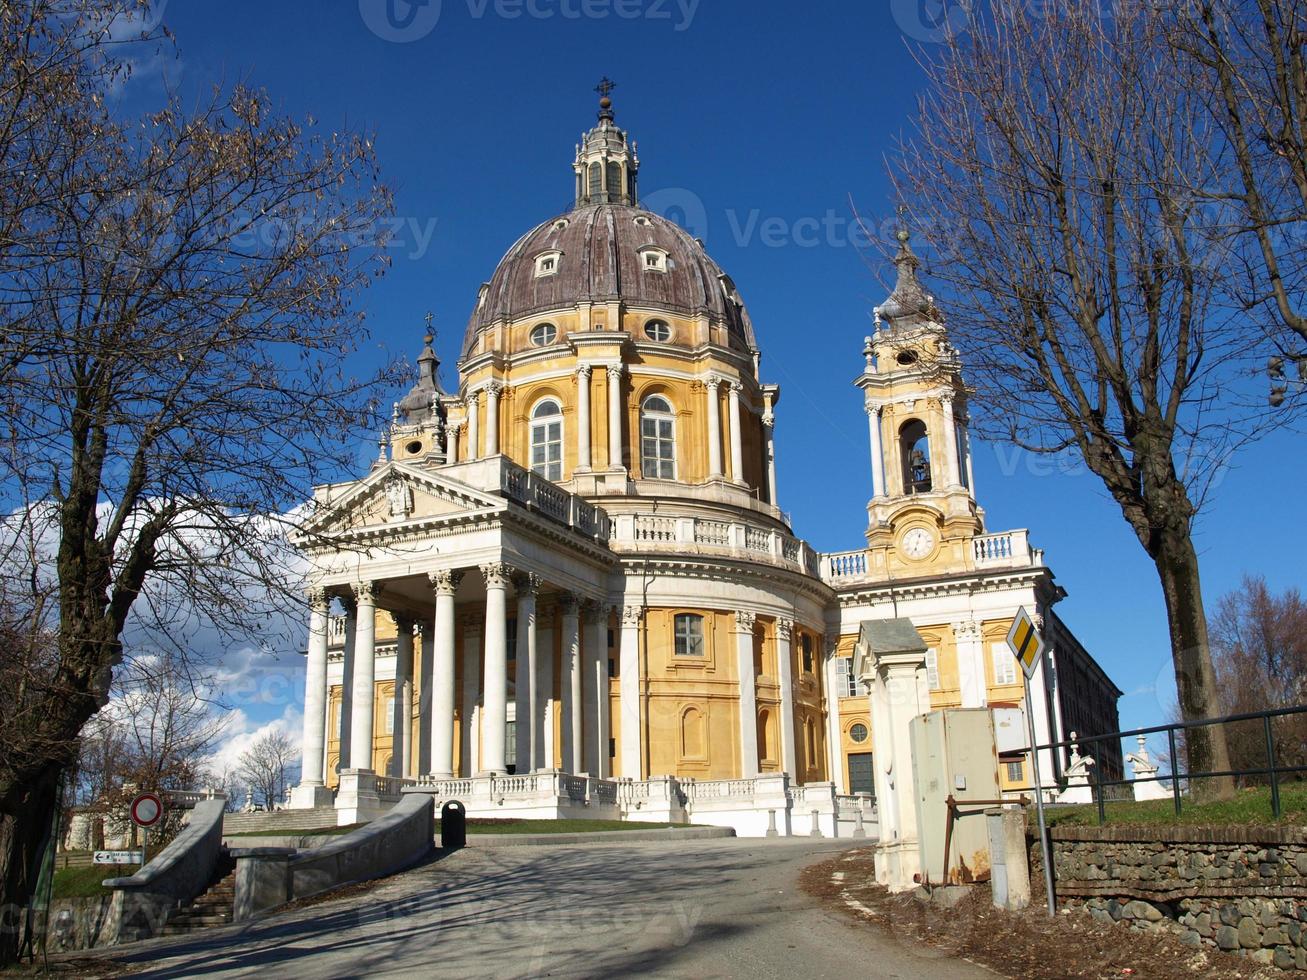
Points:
[[606, 163]]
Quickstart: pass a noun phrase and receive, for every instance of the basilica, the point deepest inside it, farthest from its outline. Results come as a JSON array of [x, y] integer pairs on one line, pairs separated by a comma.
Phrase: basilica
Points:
[[567, 588]]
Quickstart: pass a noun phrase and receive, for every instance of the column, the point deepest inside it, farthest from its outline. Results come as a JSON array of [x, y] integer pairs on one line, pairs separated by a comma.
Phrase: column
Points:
[[769, 454], [471, 742], [401, 745], [542, 698], [898, 693], [584, 459], [615, 417], [451, 442], [365, 672], [744, 623], [493, 391], [495, 724], [427, 646], [313, 763], [737, 434], [877, 455], [951, 477], [474, 425], [628, 674], [972, 676], [596, 687], [527, 586], [834, 742], [966, 448], [714, 428], [445, 583], [347, 681], [785, 677], [570, 686]]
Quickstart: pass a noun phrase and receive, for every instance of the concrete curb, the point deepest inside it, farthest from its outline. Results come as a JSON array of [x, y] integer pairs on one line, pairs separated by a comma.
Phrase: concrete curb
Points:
[[667, 834]]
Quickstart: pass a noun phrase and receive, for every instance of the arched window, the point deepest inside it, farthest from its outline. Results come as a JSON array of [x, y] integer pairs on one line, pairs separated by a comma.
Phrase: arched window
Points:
[[764, 735], [547, 440], [596, 180], [657, 439], [914, 448]]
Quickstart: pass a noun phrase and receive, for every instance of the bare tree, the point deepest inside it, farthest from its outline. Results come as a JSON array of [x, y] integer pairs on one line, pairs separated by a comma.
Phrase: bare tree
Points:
[[1056, 170], [178, 307], [265, 766], [1251, 57]]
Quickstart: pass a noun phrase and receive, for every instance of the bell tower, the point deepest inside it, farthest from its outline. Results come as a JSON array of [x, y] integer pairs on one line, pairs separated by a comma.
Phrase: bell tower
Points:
[[923, 511]]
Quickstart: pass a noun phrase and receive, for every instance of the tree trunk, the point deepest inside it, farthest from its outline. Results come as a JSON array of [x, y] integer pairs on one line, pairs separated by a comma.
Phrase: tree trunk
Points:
[[22, 830], [1195, 680]]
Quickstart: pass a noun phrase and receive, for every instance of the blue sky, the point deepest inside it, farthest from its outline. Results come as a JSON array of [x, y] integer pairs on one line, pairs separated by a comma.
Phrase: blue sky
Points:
[[758, 123]]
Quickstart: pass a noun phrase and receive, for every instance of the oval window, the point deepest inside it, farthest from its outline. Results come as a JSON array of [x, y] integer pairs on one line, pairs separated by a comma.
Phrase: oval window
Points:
[[543, 334], [658, 330], [413, 448], [858, 733], [906, 357]]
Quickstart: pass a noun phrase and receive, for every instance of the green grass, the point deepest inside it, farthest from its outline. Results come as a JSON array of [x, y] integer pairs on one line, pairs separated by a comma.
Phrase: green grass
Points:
[[85, 882], [1249, 807]]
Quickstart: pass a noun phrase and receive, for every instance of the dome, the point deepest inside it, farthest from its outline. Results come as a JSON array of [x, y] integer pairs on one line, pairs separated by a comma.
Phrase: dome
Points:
[[606, 252]]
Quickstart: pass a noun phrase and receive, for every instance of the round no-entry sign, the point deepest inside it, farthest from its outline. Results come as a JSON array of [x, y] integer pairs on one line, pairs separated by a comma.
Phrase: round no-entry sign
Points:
[[146, 810]]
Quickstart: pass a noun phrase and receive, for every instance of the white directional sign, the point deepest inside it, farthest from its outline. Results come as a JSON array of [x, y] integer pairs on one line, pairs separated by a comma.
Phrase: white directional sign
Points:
[[117, 857]]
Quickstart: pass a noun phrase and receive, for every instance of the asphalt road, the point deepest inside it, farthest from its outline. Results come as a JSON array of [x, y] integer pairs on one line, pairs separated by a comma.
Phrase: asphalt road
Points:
[[720, 908]]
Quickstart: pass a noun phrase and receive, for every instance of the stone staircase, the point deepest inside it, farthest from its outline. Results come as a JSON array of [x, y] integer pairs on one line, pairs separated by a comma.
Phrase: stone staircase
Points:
[[212, 908]]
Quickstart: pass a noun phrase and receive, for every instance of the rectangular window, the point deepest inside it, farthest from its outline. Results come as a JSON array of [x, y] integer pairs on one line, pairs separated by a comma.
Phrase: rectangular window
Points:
[[390, 716], [657, 448], [1005, 665], [932, 669], [1016, 771], [805, 644], [511, 633], [689, 635], [846, 684], [547, 449], [612, 748], [510, 746], [612, 667]]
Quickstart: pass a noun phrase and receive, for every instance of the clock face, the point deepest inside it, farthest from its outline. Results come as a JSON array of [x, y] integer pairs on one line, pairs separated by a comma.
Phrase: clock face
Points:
[[918, 543]]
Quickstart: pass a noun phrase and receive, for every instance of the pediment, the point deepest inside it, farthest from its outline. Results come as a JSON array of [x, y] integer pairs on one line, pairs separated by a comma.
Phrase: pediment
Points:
[[397, 495]]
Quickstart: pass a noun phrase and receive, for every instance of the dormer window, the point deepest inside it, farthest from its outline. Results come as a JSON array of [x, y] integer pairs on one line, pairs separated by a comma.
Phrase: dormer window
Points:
[[547, 263], [653, 259]]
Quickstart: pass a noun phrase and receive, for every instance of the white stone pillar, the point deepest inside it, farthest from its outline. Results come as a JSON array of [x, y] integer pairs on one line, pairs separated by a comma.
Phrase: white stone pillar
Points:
[[834, 727], [615, 417], [951, 472], [311, 790], [785, 678], [426, 645], [744, 624], [584, 457], [877, 453], [527, 587], [596, 688], [966, 448], [972, 675], [493, 391], [347, 681], [542, 700], [365, 673], [737, 434], [471, 741], [401, 719], [451, 442], [445, 583], [570, 688], [474, 425], [628, 683], [495, 726], [769, 455], [712, 384]]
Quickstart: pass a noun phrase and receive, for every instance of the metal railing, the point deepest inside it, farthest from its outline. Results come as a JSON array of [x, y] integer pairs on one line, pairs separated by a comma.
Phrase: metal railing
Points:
[[1274, 769]]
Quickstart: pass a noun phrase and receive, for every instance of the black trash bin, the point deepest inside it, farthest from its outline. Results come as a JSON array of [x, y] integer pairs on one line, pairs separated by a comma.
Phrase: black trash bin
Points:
[[453, 825]]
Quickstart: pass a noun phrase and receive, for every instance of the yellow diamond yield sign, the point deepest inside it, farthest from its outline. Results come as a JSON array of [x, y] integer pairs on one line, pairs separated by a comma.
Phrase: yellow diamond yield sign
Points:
[[1026, 644]]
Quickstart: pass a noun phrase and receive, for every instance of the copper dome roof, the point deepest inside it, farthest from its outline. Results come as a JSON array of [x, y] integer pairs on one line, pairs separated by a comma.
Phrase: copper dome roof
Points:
[[602, 258]]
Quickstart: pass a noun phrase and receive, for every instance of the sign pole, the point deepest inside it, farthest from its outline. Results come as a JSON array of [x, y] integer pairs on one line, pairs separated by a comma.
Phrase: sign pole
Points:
[[1045, 850]]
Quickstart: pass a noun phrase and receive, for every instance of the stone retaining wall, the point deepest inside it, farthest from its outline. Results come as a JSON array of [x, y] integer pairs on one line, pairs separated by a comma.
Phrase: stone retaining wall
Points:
[[1239, 889]]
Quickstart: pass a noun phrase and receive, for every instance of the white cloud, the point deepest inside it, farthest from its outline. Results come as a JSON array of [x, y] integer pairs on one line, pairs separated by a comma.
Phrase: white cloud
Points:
[[243, 731]]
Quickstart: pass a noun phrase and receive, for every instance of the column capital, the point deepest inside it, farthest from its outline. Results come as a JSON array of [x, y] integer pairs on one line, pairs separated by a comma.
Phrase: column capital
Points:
[[495, 388], [737, 386], [745, 621], [473, 622], [713, 381], [527, 583], [497, 574], [594, 610], [631, 615], [455, 427], [584, 371], [785, 629], [404, 622], [874, 409], [769, 420], [832, 641], [445, 581], [366, 592], [319, 599], [615, 371], [967, 629], [568, 604]]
